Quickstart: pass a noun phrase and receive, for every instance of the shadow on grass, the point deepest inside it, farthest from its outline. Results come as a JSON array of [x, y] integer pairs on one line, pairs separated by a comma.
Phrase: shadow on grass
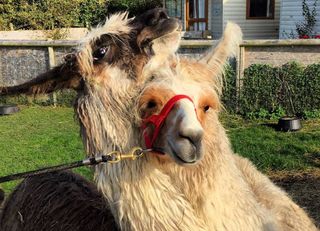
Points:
[[313, 158], [274, 126]]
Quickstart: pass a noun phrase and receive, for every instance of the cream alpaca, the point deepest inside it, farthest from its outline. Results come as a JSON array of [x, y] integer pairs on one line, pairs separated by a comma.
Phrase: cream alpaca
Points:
[[222, 192]]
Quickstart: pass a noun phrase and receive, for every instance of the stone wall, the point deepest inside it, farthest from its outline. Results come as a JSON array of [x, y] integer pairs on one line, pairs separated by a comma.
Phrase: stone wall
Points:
[[277, 56], [18, 64], [277, 53], [23, 60]]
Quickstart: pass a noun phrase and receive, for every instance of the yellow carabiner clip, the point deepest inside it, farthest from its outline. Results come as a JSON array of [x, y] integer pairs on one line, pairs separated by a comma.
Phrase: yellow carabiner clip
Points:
[[117, 156], [133, 154]]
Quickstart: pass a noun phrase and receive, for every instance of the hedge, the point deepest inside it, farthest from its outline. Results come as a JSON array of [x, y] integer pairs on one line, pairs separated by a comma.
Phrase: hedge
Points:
[[63, 98], [274, 91]]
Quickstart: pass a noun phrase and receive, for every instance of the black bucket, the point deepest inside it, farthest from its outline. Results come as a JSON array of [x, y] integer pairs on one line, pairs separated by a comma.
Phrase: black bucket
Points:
[[289, 124]]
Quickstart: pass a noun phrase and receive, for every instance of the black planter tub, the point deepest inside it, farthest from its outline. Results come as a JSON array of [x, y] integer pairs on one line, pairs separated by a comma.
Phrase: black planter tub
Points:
[[8, 109], [289, 124]]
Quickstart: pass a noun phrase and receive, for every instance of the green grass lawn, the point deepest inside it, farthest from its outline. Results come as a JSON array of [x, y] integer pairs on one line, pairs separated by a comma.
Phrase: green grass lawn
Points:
[[43, 136], [273, 150], [38, 137]]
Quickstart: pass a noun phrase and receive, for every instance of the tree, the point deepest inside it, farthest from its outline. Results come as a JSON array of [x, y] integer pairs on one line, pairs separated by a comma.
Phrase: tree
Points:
[[134, 7]]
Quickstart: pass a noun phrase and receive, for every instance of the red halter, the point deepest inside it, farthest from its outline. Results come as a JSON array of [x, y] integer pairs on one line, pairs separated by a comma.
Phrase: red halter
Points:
[[158, 120]]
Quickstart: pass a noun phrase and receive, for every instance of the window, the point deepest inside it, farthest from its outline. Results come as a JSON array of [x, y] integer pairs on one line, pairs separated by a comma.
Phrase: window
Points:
[[260, 9], [197, 15], [174, 8]]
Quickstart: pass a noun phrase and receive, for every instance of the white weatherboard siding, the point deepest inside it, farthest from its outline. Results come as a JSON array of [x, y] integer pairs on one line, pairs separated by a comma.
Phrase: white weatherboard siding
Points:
[[215, 18], [291, 14], [235, 11]]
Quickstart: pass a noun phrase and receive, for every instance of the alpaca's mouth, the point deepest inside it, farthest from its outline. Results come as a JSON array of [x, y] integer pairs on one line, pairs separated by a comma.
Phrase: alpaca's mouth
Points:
[[181, 161], [173, 154], [183, 158]]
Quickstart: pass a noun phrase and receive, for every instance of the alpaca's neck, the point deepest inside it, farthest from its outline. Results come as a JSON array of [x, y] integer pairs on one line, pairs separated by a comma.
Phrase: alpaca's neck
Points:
[[209, 196], [148, 200], [217, 190], [106, 119]]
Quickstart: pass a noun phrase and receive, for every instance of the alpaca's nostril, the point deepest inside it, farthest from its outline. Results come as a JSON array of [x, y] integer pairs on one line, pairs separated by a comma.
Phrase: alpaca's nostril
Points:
[[194, 136]]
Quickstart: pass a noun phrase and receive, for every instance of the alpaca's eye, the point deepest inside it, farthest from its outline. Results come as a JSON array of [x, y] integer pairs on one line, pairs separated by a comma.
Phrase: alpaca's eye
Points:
[[206, 108], [151, 104], [100, 53]]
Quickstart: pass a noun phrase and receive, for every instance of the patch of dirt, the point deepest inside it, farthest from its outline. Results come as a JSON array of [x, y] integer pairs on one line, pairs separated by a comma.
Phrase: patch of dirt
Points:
[[304, 189]]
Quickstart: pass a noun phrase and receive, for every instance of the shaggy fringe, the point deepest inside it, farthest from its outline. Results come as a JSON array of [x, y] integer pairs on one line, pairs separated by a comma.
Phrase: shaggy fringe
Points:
[[116, 24], [102, 133]]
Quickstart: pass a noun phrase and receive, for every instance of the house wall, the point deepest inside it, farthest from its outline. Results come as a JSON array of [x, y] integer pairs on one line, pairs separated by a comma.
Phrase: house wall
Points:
[[235, 11], [291, 14], [215, 19]]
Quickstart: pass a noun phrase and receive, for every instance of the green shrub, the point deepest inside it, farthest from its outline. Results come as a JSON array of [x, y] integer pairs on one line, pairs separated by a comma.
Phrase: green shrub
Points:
[[52, 14], [19, 99], [92, 12], [313, 114], [66, 97], [63, 98], [46, 14], [291, 89], [290, 94], [259, 89], [311, 99], [134, 7], [229, 94]]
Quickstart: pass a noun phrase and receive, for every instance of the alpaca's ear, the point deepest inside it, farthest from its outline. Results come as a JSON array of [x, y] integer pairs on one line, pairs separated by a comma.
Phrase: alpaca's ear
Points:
[[63, 76], [227, 47], [154, 24]]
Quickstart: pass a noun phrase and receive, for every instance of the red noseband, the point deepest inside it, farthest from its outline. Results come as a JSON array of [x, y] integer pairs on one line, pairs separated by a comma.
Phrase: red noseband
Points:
[[158, 120]]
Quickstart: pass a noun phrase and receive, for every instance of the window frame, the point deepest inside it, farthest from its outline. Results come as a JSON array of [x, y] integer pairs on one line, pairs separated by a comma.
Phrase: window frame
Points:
[[260, 18], [196, 20]]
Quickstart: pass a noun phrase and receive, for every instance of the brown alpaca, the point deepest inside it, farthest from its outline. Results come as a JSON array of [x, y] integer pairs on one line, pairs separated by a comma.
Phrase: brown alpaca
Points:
[[198, 184], [115, 52], [56, 201]]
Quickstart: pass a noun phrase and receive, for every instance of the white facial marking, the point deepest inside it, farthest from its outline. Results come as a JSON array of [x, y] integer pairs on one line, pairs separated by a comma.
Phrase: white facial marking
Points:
[[189, 117]]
